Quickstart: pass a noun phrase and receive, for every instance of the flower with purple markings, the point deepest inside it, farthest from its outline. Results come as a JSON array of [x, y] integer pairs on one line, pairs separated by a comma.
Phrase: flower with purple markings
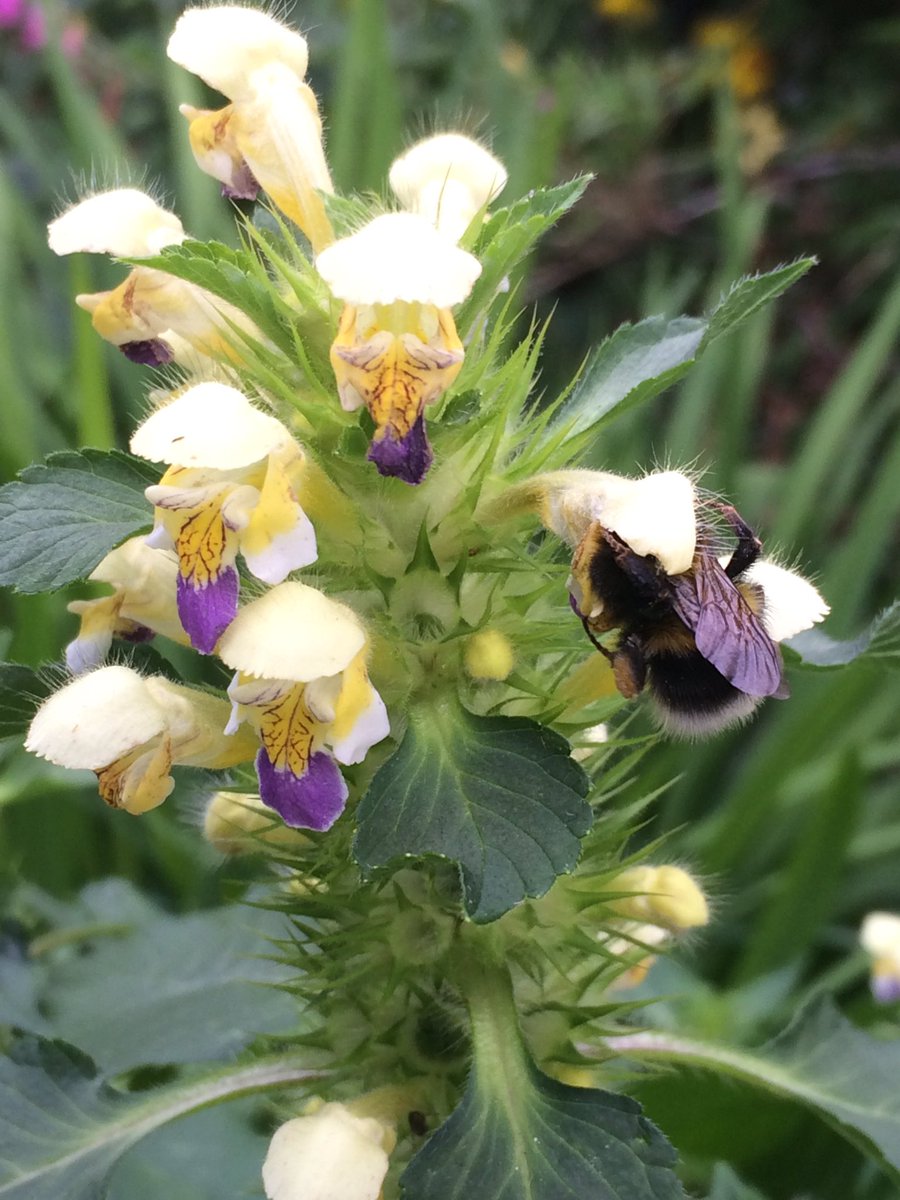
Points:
[[234, 478], [302, 684]]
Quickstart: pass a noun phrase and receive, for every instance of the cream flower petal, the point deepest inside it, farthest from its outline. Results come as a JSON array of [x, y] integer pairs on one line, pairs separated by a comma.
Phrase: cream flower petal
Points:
[[447, 179], [371, 726], [880, 935], [225, 43], [95, 720], [791, 603], [654, 515], [658, 518], [292, 632], [209, 425], [331, 1154], [125, 222], [287, 551], [398, 256]]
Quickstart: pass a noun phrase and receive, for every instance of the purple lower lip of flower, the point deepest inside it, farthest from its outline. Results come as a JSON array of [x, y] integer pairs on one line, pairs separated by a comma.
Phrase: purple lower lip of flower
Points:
[[407, 458], [152, 353], [313, 800], [140, 633], [885, 989], [206, 612], [243, 185]]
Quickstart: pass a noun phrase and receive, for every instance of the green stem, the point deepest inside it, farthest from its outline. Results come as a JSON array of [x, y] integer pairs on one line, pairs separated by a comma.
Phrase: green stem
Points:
[[502, 1063]]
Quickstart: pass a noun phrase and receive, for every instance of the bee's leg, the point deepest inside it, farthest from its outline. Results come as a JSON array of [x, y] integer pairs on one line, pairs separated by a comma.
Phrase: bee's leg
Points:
[[608, 654], [748, 548], [629, 668]]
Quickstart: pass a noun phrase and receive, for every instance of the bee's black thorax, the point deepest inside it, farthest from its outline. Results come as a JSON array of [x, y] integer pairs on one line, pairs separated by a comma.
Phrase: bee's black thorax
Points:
[[638, 598]]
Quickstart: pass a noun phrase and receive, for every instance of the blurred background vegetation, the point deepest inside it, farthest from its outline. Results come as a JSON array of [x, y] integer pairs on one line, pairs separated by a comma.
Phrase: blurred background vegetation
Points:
[[724, 139]]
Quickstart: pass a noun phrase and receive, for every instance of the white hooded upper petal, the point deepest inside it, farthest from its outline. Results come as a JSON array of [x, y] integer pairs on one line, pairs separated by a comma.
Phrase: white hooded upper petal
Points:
[[292, 632], [790, 602], [447, 179], [654, 515], [208, 425], [880, 936], [96, 719], [398, 256], [125, 222], [226, 43]]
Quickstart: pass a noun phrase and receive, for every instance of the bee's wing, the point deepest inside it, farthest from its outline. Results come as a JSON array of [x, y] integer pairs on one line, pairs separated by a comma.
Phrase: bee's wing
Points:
[[726, 630]]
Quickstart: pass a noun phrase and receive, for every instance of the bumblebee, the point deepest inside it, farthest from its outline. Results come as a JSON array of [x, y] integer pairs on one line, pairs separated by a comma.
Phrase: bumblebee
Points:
[[695, 640]]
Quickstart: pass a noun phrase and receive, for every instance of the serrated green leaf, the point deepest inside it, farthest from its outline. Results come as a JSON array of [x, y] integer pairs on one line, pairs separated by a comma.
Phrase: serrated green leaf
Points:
[[880, 644], [509, 234], [542, 1140], [634, 364], [21, 691], [501, 796], [63, 1125], [637, 362], [233, 275], [750, 294], [60, 519], [821, 1061]]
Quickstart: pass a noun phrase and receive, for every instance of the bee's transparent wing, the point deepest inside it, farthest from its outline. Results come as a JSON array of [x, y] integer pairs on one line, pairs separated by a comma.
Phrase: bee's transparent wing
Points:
[[727, 632]]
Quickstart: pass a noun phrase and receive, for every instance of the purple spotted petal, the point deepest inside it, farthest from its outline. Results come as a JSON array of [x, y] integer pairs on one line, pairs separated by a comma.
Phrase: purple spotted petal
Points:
[[152, 353], [407, 458], [206, 612], [314, 800], [885, 988]]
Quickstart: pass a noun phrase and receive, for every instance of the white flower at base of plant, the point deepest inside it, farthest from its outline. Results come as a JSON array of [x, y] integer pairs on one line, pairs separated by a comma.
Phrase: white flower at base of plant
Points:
[[329, 1154], [130, 730]]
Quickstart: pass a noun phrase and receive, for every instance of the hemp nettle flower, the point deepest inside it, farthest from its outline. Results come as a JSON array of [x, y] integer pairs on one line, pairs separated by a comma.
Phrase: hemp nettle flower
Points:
[[142, 604], [447, 179], [131, 730], [270, 135], [151, 314], [397, 348], [880, 938], [328, 1154], [233, 482], [302, 683]]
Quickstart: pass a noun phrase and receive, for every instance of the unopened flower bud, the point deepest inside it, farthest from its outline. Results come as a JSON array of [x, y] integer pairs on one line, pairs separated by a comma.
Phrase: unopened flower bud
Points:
[[489, 655], [240, 823], [667, 896]]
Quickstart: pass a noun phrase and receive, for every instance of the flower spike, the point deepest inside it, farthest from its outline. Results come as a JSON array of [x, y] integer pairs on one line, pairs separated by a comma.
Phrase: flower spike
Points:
[[302, 683], [397, 349], [235, 474]]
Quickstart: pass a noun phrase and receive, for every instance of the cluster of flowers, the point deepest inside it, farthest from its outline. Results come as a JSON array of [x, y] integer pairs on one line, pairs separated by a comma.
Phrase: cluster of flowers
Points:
[[237, 478]]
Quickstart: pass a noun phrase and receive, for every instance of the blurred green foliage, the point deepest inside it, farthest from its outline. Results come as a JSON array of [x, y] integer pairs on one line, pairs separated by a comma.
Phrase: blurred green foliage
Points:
[[794, 820]]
